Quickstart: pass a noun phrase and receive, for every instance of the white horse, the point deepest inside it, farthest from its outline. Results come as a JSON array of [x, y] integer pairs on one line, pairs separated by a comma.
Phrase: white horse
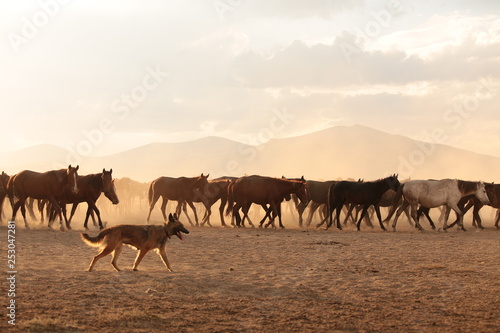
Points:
[[435, 193]]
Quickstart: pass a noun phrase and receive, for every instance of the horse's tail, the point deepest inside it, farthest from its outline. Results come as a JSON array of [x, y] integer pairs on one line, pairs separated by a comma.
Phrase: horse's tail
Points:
[[230, 199], [395, 203], [329, 203], [97, 240]]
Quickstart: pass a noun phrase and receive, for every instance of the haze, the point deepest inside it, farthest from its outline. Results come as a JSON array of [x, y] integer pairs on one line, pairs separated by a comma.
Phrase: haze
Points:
[[102, 78]]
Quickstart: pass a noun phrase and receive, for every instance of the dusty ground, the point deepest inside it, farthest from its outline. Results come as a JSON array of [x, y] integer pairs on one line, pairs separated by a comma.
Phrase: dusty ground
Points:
[[251, 280]]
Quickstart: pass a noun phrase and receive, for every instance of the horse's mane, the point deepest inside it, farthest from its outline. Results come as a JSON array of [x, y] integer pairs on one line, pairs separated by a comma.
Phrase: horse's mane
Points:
[[95, 179], [466, 186]]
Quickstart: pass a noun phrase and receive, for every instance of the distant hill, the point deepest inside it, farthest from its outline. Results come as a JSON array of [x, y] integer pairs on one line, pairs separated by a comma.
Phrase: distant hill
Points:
[[337, 152]]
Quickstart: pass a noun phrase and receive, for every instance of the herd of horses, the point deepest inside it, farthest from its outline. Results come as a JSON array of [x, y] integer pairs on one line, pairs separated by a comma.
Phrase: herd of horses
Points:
[[55, 189]]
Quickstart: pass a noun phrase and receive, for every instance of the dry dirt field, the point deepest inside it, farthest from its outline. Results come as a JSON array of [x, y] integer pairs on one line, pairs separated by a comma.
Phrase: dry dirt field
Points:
[[253, 280]]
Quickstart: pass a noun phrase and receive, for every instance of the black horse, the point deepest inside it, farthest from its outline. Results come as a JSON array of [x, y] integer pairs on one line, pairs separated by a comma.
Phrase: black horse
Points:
[[360, 193]]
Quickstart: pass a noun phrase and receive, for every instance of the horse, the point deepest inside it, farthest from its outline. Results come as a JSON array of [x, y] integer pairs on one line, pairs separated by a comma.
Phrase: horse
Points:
[[360, 193], [319, 192], [48, 185], [130, 191], [181, 189], [214, 191], [263, 191], [435, 193], [466, 203], [90, 188]]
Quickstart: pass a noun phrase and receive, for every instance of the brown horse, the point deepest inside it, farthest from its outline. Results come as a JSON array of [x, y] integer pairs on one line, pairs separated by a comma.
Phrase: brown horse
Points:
[[181, 189], [90, 188], [214, 191], [48, 185], [131, 193], [263, 191]]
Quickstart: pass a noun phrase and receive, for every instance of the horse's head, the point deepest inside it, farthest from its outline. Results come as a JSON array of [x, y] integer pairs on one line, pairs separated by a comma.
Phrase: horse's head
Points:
[[481, 194], [201, 182], [4, 179], [108, 186], [393, 182], [303, 192], [72, 174]]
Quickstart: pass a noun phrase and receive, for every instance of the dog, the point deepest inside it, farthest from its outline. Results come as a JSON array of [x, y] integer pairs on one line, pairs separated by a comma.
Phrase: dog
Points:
[[143, 237]]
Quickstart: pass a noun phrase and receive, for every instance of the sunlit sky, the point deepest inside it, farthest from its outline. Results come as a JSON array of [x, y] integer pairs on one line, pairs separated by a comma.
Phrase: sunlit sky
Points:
[[121, 74]]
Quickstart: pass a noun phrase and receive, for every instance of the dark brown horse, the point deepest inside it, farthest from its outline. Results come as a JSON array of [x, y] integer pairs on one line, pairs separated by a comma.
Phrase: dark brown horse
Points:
[[466, 203], [48, 185], [360, 193], [263, 191], [181, 189], [90, 188]]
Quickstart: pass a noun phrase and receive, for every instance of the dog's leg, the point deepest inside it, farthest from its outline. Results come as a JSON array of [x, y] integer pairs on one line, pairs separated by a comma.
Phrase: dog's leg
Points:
[[163, 254], [116, 254], [107, 250], [139, 257]]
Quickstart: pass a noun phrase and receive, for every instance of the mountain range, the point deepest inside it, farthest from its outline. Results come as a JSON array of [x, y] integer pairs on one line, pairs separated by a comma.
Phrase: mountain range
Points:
[[337, 152]]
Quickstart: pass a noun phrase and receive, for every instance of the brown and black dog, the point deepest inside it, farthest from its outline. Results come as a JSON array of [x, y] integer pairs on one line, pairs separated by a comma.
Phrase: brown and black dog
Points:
[[143, 237]]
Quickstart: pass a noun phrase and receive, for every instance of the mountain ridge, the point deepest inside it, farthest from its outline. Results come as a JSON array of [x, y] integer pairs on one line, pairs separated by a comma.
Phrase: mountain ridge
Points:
[[337, 152]]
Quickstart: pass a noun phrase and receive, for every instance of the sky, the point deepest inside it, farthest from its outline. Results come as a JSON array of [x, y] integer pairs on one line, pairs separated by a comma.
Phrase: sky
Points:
[[103, 77]]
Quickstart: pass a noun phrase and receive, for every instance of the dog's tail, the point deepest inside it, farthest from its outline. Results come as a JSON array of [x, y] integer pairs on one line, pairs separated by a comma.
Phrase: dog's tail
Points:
[[94, 241]]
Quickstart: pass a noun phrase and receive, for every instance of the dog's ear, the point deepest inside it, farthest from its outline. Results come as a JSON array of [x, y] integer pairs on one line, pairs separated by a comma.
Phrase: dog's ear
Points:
[[170, 218], [175, 217]]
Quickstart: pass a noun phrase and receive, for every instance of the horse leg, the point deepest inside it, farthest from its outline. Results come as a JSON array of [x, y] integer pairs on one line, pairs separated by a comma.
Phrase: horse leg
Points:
[[328, 216], [268, 214], [349, 213], [363, 212], [379, 216], [246, 216], [221, 212], [57, 208], [312, 209], [413, 206], [338, 209], [152, 205], [182, 205], [72, 213], [208, 213], [460, 216], [497, 218], [476, 216], [163, 208], [92, 208], [300, 210], [190, 203], [236, 216], [425, 211]]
